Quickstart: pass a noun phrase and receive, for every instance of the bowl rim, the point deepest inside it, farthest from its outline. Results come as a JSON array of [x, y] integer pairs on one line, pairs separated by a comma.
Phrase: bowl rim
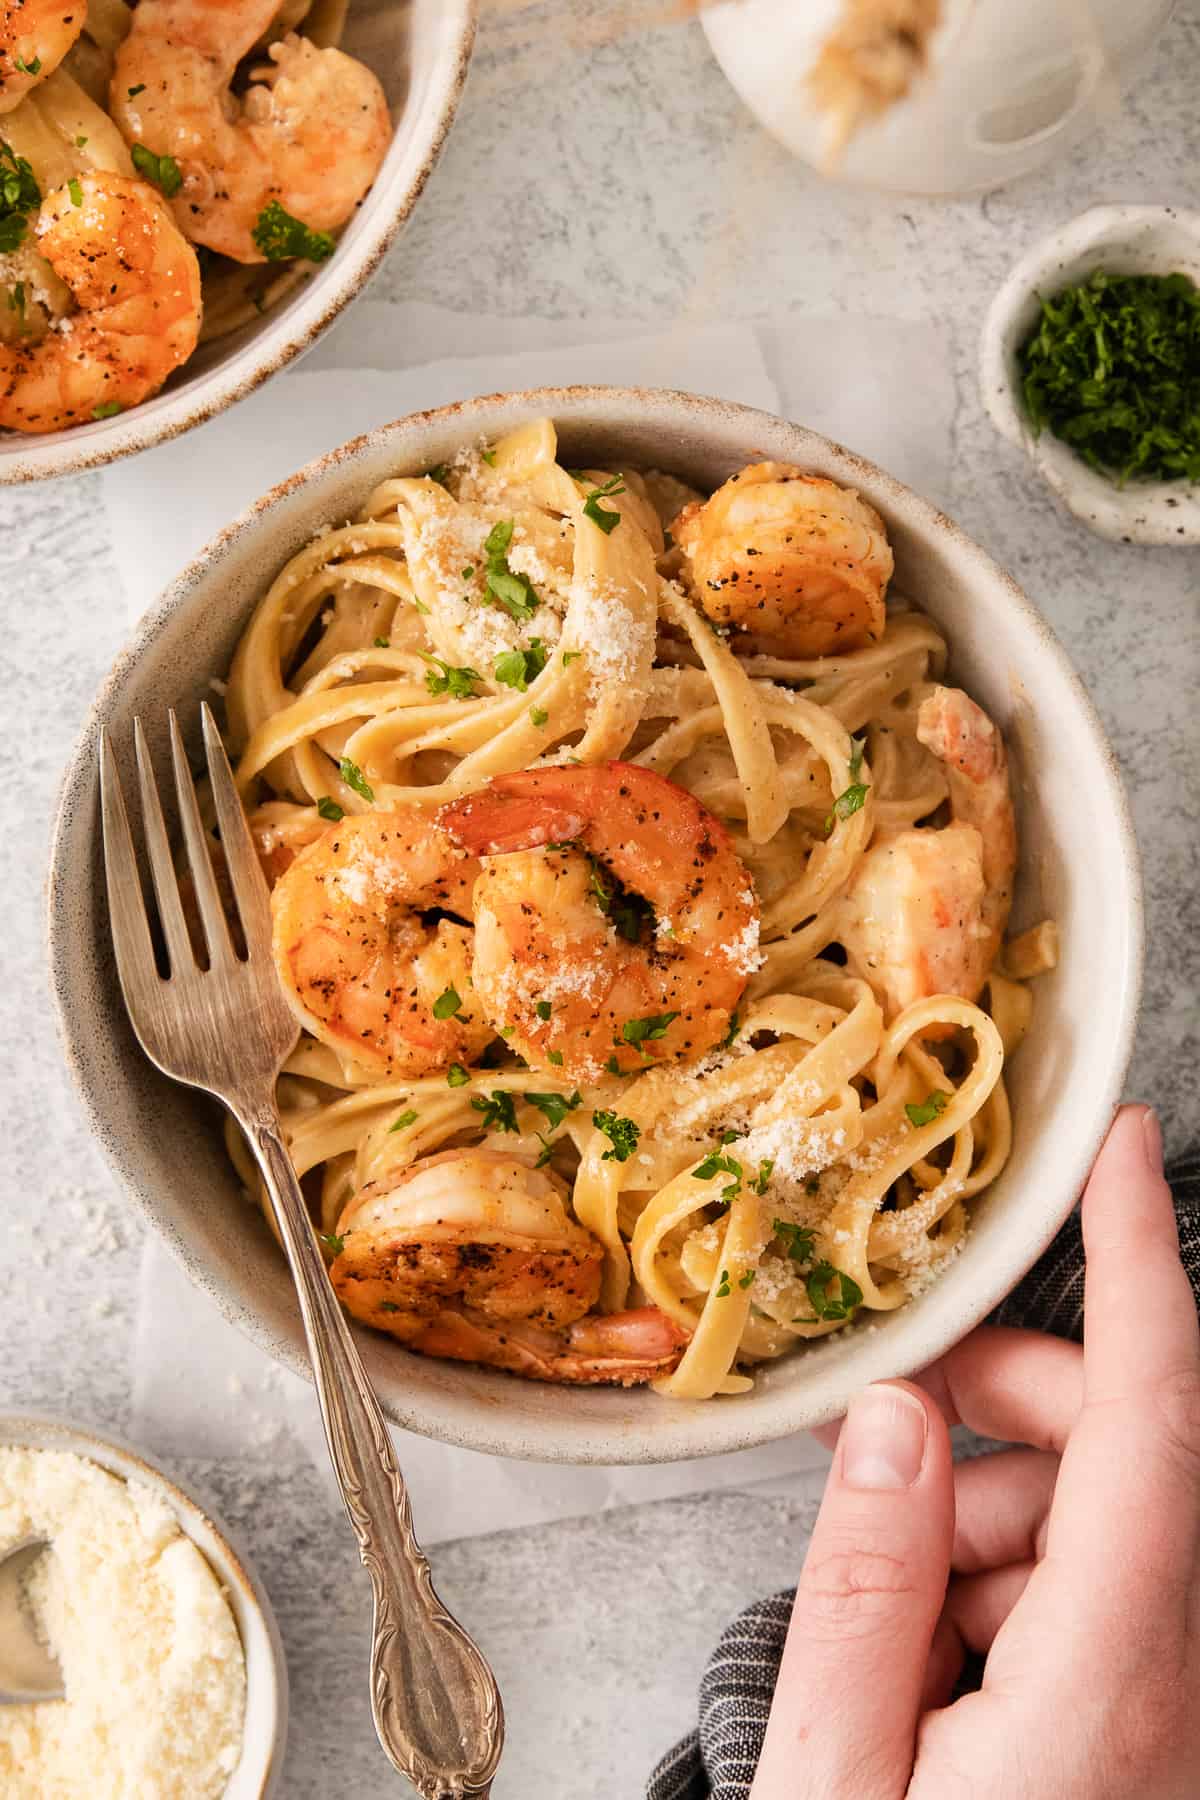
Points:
[[480, 1430], [53, 1431], [296, 330], [1165, 513]]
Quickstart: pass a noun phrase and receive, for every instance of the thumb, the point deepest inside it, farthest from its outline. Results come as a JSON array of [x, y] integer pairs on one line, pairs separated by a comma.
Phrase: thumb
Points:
[[844, 1717]]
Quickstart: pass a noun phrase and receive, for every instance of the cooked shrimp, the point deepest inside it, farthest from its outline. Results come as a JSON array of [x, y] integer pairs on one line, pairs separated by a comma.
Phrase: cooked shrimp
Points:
[[309, 133], [361, 968], [472, 1254], [926, 910], [35, 35], [797, 563], [628, 939], [137, 285]]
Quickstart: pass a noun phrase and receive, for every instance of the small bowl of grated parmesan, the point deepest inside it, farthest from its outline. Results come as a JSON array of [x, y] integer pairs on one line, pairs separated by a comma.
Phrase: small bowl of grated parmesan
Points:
[[173, 1669]]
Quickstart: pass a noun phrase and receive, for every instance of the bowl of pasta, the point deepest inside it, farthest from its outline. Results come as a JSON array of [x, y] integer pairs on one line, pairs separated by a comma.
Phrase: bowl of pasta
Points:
[[190, 193], [706, 899]]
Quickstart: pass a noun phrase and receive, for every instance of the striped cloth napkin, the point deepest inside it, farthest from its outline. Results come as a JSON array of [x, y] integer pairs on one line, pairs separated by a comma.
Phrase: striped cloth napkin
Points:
[[717, 1761]]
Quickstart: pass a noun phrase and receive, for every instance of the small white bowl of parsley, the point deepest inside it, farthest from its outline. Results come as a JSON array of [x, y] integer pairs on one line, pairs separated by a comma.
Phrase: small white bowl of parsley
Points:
[[1090, 361]]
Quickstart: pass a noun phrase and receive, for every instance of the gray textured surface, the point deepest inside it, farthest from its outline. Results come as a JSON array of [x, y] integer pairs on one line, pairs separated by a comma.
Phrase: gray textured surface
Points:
[[619, 177]]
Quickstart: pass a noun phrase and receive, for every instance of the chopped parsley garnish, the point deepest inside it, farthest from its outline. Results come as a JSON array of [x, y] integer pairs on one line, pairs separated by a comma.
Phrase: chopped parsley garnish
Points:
[[623, 1133], [440, 473], [846, 805], [457, 1076], [499, 1113], [627, 910], [543, 1009], [419, 605], [570, 656], [329, 809], [404, 1121], [75, 189], [80, 143], [388, 1306], [760, 1181], [798, 1240], [354, 778], [447, 1003], [489, 457], [19, 195], [517, 668], [747, 1279], [735, 1026], [280, 237], [133, 92], [16, 299], [28, 68], [538, 714], [555, 1057], [929, 1109], [165, 174], [716, 1164], [468, 572], [724, 1290], [382, 643], [1113, 369], [831, 1294], [332, 1242], [555, 1106], [857, 749], [515, 593], [640, 1032], [458, 683], [613, 1066], [108, 410], [600, 515]]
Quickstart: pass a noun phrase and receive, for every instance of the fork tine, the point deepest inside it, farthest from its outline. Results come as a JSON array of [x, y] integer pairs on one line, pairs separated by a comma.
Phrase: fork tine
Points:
[[245, 870], [162, 867], [208, 896], [132, 942]]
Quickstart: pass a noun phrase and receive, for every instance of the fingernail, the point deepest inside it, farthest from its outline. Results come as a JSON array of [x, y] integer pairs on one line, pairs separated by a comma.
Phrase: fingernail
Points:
[[883, 1439], [1152, 1139]]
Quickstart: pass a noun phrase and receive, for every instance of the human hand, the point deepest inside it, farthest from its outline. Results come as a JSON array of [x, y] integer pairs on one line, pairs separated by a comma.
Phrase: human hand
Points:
[[1074, 1565]]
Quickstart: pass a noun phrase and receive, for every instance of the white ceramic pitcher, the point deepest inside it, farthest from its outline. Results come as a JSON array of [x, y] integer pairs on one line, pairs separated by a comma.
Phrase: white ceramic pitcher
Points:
[[1007, 85]]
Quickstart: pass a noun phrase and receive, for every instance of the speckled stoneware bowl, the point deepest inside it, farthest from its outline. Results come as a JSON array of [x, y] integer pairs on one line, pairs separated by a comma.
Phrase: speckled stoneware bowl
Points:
[[1079, 865], [419, 49], [1124, 240], [259, 1773]]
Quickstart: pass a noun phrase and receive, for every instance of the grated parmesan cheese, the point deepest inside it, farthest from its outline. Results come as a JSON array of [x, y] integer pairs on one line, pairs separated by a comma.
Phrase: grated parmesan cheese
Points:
[[151, 1659]]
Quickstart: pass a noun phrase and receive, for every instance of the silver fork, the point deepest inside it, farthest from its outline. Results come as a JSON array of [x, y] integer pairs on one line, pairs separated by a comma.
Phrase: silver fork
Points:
[[227, 1030]]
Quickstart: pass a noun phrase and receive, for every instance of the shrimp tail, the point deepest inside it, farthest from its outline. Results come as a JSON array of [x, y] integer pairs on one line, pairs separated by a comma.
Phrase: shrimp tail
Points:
[[511, 814], [533, 807], [620, 1349]]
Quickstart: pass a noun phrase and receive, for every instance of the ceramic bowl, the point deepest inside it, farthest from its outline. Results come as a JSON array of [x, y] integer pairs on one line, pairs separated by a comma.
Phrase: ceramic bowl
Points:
[[1079, 865], [1006, 87], [259, 1773], [1125, 240], [419, 49]]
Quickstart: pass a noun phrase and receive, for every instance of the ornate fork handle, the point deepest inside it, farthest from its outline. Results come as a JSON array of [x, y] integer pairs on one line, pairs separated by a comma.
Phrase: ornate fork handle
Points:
[[436, 1705]]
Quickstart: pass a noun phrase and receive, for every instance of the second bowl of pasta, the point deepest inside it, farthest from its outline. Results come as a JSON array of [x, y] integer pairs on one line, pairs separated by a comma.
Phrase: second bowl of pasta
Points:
[[683, 849], [190, 192]]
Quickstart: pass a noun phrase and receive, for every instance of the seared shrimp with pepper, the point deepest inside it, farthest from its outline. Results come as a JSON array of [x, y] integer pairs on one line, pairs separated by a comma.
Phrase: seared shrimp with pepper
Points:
[[926, 910], [136, 285], [362, 968], [615, 924], [308, 136], [35, 35], [797, 565], [473, 1255]]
